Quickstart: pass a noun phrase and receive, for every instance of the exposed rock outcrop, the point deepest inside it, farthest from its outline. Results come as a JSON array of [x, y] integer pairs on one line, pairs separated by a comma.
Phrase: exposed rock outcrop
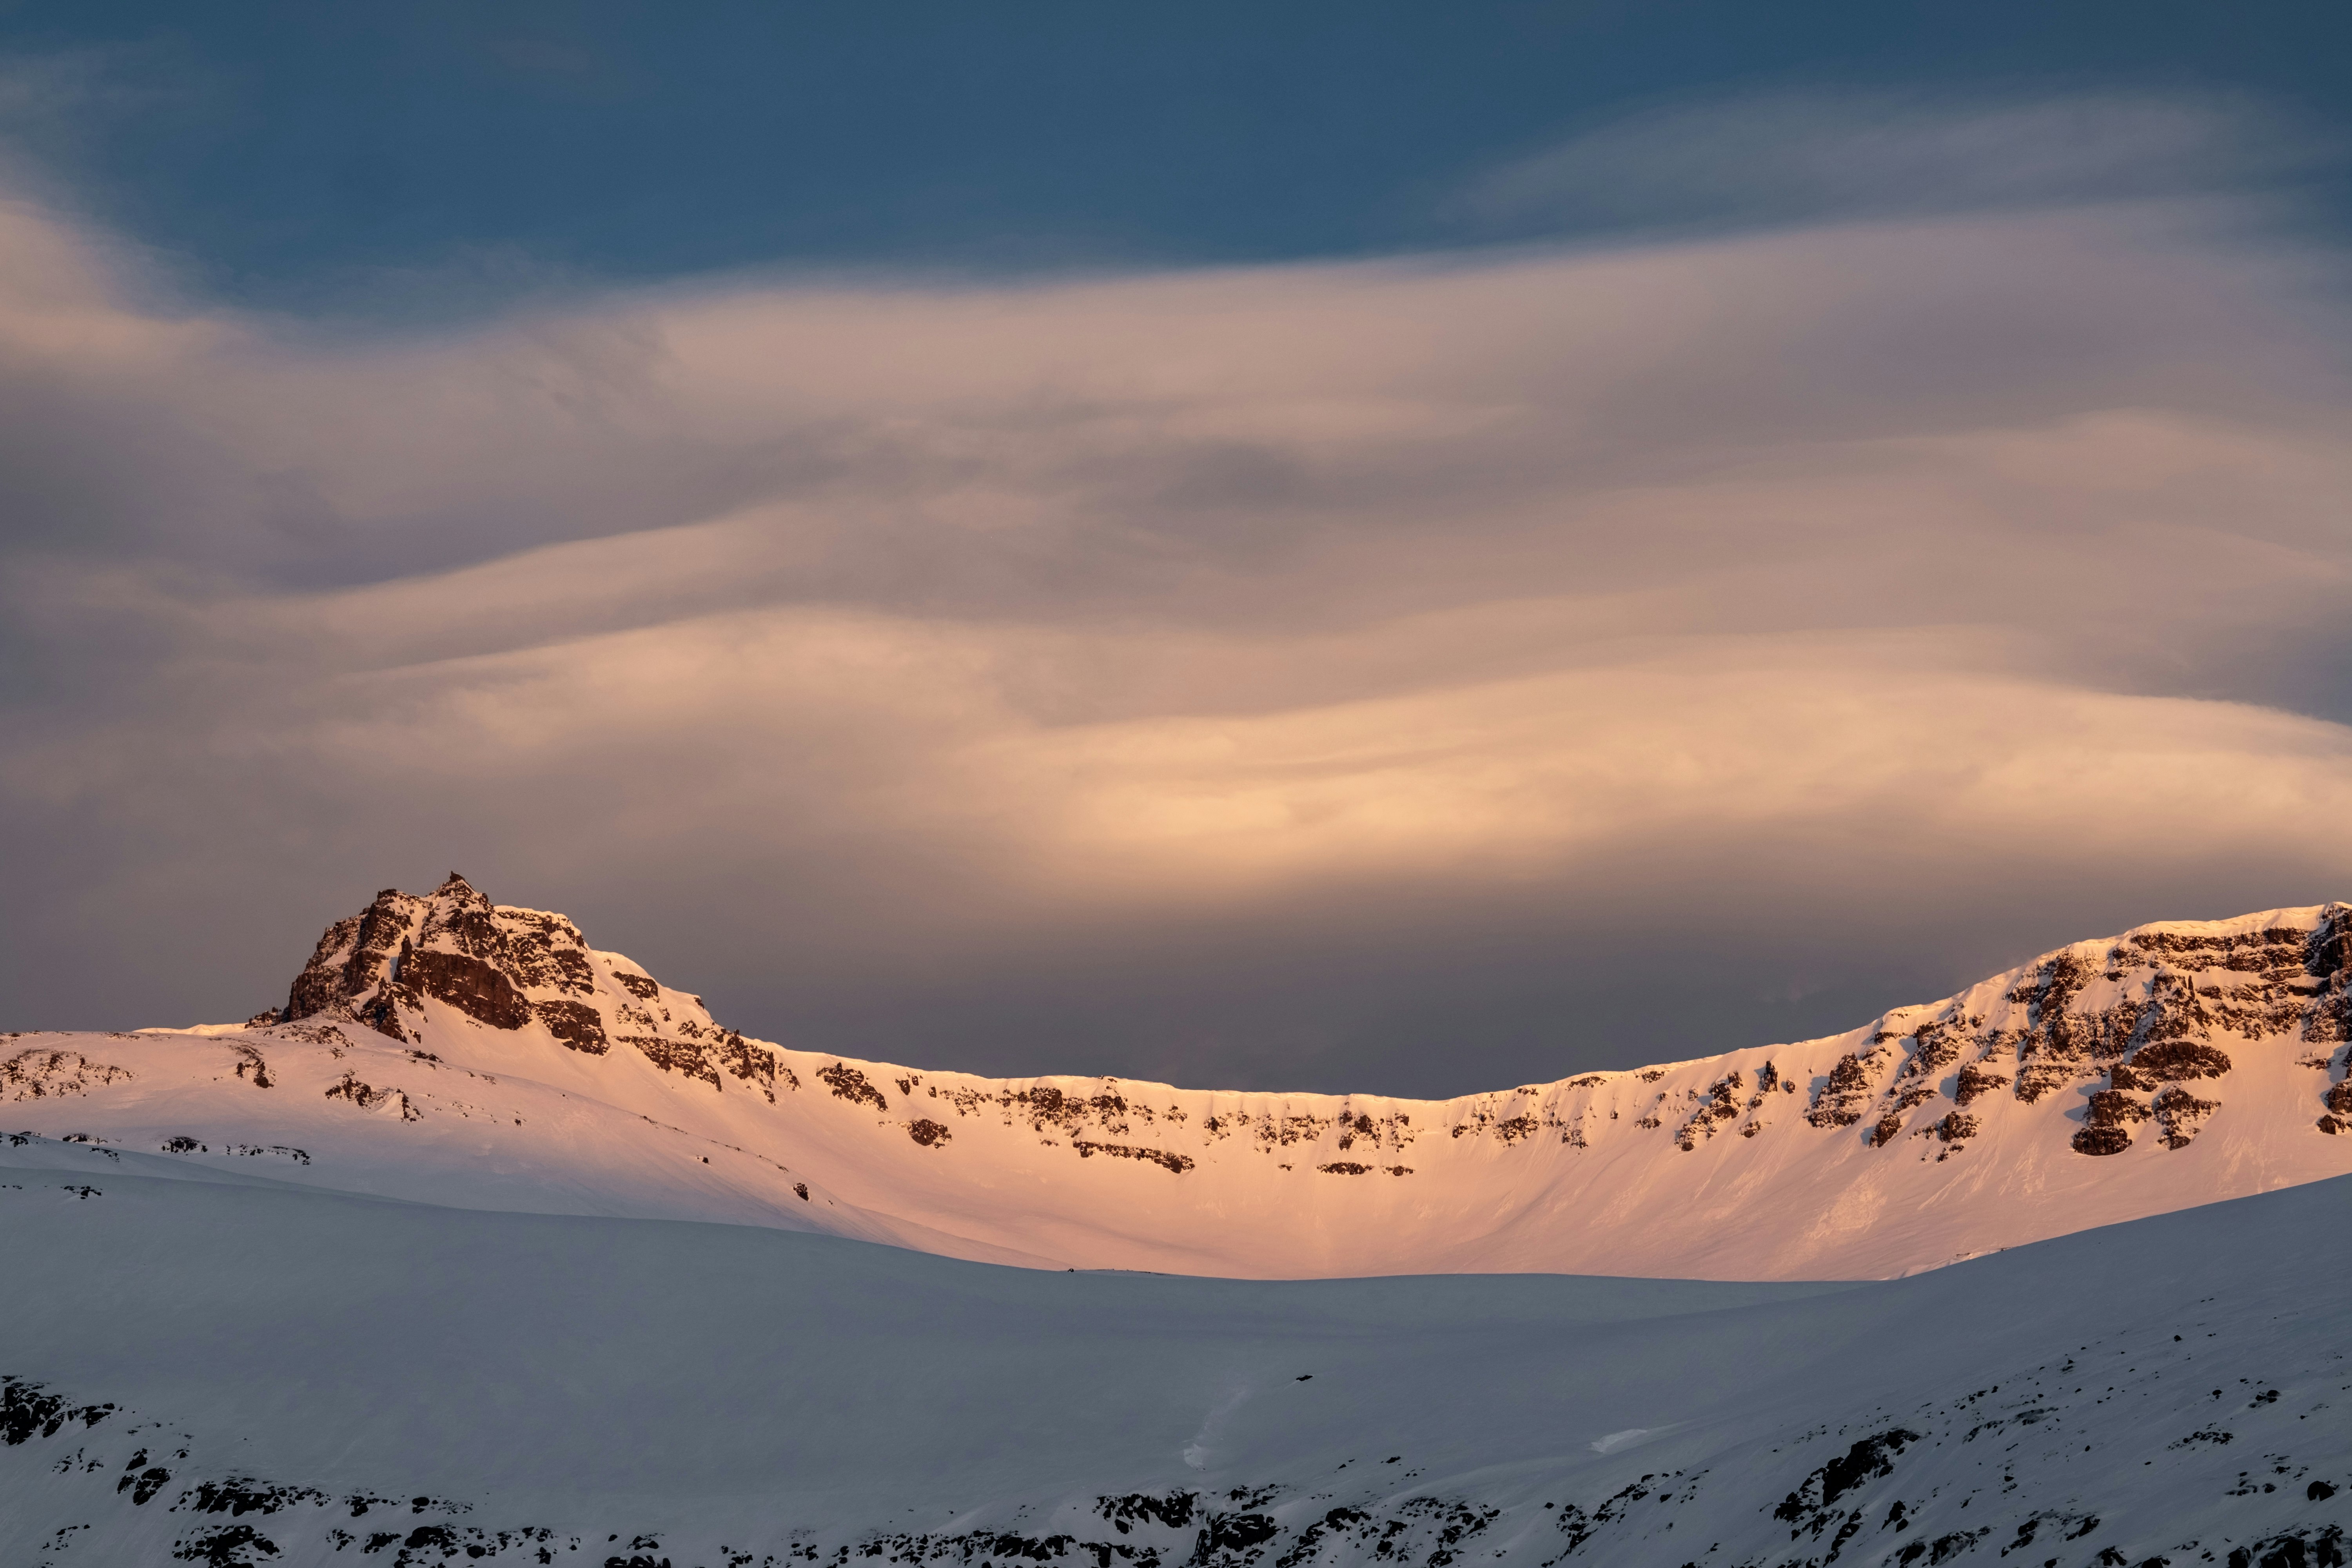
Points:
[[47, 1074], [513, 969], [2145, 1012]]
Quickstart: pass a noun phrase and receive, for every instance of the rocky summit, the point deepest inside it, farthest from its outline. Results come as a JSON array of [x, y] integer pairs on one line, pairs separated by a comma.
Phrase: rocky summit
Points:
[[506, 969]]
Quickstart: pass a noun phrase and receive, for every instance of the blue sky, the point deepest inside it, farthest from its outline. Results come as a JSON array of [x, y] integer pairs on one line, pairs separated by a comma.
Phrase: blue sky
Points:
[[431, 156], [1352, 548]]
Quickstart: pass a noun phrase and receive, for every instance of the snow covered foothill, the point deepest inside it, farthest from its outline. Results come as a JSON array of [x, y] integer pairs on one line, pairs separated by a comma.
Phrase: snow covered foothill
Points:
[[210, 1365], [444, 1049]]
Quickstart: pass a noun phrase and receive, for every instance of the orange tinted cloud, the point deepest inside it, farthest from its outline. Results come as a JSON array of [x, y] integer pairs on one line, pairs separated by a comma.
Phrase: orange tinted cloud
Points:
[[1036, 608]]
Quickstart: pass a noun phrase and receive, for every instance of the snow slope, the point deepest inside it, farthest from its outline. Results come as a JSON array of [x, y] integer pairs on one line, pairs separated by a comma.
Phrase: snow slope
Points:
[[442, 1049], [208, 1365]]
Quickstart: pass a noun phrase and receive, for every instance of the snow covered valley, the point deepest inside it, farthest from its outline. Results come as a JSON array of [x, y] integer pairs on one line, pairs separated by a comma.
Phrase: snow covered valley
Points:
[[206, 1364]]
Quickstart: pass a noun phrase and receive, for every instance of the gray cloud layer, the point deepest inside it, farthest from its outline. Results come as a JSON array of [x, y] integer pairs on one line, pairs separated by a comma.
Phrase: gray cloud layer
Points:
[[1421, 675]]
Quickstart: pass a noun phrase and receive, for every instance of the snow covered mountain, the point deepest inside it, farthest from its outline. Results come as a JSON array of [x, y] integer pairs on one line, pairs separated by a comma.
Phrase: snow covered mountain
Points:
[[447, 1050], [419, 1269], [201, 1364]]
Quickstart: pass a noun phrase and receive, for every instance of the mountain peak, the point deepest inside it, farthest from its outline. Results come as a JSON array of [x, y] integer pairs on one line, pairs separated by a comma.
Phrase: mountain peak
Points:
[[503, 968], [2180, 1063]]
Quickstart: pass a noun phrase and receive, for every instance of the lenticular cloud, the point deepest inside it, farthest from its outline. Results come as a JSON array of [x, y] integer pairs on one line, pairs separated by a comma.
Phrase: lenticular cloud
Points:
[[1046, 614]]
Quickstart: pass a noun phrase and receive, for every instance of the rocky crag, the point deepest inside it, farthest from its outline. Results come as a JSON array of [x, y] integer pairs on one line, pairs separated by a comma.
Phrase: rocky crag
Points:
[[506, 969]]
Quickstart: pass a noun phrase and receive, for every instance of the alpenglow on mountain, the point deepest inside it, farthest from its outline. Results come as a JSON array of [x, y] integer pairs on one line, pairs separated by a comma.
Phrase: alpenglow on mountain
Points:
[[490, 1247], [444, 1049]]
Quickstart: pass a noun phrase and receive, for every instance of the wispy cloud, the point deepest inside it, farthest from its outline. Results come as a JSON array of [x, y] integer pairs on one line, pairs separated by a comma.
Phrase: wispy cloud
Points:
[[1808, 157], [1062, 674]]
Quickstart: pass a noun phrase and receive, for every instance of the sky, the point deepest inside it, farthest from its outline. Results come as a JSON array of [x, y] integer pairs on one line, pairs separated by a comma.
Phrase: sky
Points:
[[1393, 549]]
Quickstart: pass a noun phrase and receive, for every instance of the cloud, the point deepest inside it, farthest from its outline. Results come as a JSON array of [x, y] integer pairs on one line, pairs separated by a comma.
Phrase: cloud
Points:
[[1811, 157], [1420, 674]]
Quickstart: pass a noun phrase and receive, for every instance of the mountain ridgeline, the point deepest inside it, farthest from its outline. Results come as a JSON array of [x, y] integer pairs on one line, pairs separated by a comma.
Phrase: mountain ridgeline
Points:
[[443, 1047]]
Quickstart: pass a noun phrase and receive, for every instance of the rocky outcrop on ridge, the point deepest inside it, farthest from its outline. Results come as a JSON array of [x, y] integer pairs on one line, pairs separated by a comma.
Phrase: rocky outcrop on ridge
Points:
[[2175, 1065], [2126, 1027], [507, 969], [2148, 1013]]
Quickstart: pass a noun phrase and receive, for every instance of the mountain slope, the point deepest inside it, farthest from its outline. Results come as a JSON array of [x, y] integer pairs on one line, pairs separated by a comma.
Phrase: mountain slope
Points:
[[205, 1366], [444, 1049]]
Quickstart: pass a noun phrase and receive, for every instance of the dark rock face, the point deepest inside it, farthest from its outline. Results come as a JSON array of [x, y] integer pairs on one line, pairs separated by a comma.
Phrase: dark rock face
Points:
[[2112, 1108], [575, 1024], [474, 987], [367, 1097], [26, 1411], [1975, 1080], [847, 1083], [545, 952], [1168, 1161], [455, 946], [755, 1064], [686, 1057], [2178, 1114], [513, 969], [1720, 1107], [1867, 1460], [354, 957], [1847, 1091], [2148, 1014], [2173, 1061], [2106, 1122], [1956, 1127], [353, 954]]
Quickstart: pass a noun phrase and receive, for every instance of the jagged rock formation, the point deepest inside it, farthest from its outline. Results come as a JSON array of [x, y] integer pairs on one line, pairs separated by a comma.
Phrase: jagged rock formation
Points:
[[506, 968], [2142, 1012], [2178, 1064]]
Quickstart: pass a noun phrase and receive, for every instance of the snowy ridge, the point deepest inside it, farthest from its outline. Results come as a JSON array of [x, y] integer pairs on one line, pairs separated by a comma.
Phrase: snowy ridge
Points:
[[444, 1049], [239, 1372]]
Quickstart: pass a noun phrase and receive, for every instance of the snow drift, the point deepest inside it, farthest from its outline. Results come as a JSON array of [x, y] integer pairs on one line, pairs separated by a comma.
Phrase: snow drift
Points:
[[205, 1365]]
